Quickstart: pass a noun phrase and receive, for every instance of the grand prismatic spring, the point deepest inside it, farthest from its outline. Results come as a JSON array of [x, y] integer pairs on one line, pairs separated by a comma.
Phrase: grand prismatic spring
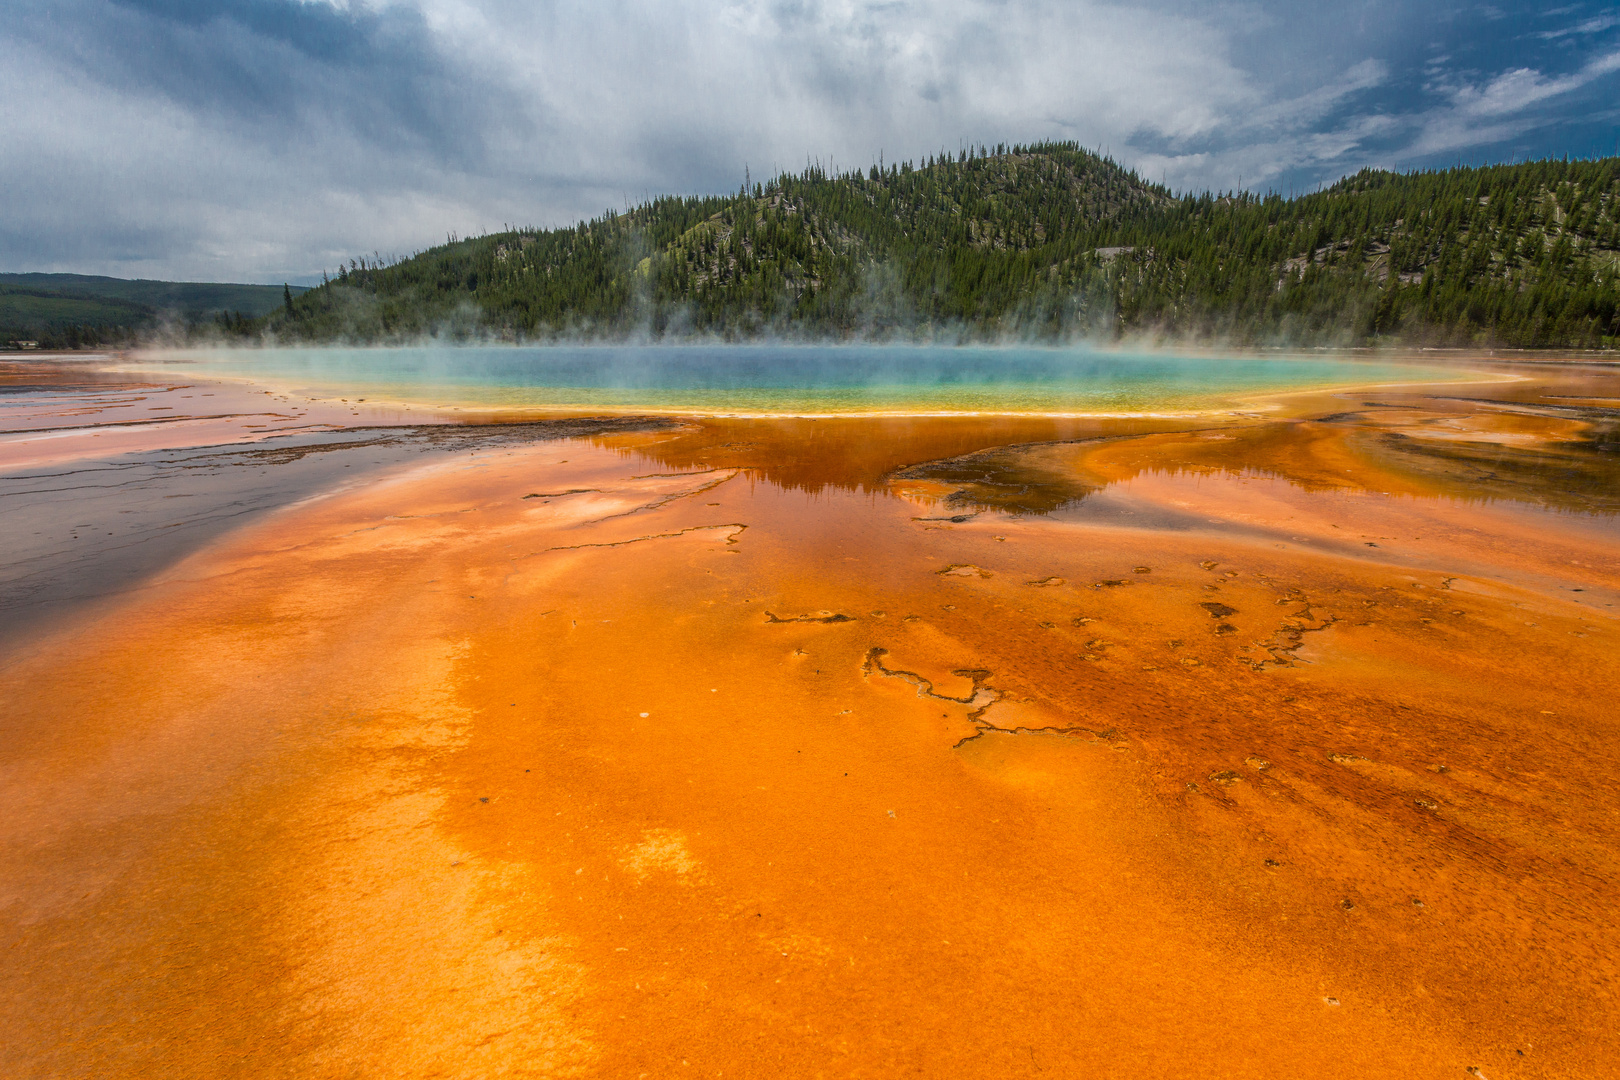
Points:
[[810, 712]]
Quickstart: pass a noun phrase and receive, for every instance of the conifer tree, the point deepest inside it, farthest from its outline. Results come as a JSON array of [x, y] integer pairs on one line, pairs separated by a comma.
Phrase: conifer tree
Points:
[[1043, 242]]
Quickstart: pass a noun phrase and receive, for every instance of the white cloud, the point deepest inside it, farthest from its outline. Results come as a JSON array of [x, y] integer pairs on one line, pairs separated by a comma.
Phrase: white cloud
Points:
[[242, 143], [1519, 89], [1595, 25], [1499, 109], [270, 138]]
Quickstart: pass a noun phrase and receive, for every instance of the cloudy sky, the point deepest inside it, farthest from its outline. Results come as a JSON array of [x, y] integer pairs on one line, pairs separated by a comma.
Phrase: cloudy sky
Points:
[[262, 140]]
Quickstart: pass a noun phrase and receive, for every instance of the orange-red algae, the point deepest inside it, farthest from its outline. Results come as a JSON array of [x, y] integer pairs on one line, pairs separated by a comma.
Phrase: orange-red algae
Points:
[[555, 760]]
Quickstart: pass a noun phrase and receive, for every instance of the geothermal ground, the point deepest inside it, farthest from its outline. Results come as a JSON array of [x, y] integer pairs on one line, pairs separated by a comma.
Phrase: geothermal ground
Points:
[[341, 741]]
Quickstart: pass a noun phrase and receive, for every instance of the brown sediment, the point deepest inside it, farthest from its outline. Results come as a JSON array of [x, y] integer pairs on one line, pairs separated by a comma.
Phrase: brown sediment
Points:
[[427, 777]]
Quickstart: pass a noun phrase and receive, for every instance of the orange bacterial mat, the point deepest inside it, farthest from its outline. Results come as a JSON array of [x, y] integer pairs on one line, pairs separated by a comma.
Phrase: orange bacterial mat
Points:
[[855, 748]]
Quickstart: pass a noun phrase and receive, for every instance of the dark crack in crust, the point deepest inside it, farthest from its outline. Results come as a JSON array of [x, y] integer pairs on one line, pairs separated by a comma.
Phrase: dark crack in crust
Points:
[[736, 528], [980, 700], [820, 617]]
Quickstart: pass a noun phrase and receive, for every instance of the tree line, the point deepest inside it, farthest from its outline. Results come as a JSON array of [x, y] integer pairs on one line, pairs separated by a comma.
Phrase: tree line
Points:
[[1040, 242]]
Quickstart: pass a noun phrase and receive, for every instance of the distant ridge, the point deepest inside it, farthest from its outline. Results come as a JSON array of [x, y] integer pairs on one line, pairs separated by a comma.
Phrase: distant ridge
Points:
[[70, 310]]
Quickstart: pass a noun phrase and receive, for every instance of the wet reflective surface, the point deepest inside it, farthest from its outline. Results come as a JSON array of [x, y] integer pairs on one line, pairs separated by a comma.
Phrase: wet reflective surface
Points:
[[1256, 747], [105, 483]]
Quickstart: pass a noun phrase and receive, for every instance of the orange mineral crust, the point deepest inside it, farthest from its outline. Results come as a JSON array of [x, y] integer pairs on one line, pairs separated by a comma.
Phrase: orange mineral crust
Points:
[[1245, 749]]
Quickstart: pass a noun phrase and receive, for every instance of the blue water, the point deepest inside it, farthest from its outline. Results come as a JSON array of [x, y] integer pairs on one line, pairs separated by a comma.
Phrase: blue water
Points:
[[776, 379]]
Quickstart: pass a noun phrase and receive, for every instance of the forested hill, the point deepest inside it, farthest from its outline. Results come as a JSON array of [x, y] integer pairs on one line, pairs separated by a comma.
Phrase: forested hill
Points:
[[1037, 242], [70, 311]]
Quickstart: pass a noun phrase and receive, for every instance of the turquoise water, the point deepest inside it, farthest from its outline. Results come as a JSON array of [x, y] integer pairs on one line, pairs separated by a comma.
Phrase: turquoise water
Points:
[[776, 379]]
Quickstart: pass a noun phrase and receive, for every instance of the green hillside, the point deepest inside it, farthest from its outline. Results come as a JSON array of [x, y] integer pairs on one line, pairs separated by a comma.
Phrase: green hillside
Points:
[[49, 317], [201, 297], [69, 310], [1035, 242]]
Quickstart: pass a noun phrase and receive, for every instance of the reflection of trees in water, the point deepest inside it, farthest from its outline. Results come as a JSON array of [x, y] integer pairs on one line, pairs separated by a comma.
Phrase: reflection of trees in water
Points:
[[866, 454], [1582, 475], [1041, 465], [1579, 473], [1020, 480]]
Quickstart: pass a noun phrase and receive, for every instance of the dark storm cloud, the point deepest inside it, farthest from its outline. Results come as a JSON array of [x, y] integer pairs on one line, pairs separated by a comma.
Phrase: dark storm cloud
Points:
[[270, 138]]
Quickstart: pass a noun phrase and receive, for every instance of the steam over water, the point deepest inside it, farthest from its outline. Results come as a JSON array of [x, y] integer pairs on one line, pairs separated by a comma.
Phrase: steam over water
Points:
[[776, 379]]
